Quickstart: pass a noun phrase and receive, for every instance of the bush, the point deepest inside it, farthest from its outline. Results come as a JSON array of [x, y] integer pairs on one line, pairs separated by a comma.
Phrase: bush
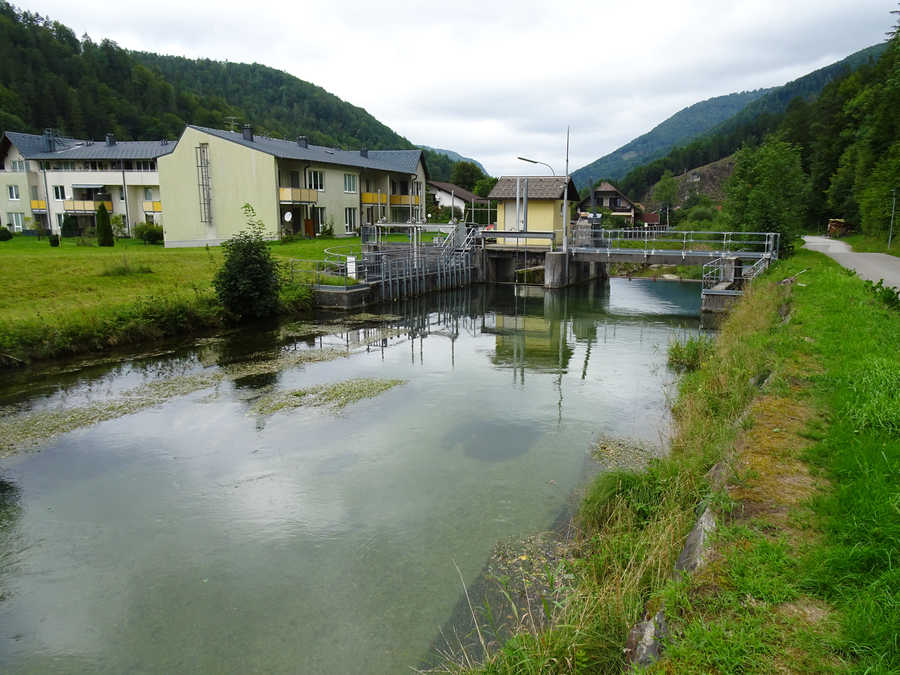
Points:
[[248, 283], [149, 233], [54, 240], [69, 226], [295, 298], [690, 354], [5, 235], [104, 229]]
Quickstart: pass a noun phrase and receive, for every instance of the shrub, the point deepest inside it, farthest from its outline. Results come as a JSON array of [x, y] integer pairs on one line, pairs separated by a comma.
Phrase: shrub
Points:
[[149, 233], [690, 354], [295, 298], [5, 235], [248, 283], [69, 226], [54, 240], [104, 229]]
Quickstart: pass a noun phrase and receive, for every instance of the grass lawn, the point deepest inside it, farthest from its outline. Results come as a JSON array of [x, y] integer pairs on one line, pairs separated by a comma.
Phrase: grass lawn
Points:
[[865, 243]]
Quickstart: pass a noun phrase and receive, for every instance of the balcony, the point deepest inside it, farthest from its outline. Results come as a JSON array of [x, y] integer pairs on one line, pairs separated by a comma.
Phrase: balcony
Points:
[[297, 195], [373, 198], [152, 207], [38, 205], [403, 200], [85, 206]]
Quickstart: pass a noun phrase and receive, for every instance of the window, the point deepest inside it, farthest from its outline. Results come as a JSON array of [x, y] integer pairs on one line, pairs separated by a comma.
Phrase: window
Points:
[[18, 165], [59, 192], [349, 182], [34, 192], [122, 193], [319, 217], [148, 195], [145, 165], [295, 179], [12, 191], [315, 180], [59, 221], [350, 219], [400, 187], [16, 221]]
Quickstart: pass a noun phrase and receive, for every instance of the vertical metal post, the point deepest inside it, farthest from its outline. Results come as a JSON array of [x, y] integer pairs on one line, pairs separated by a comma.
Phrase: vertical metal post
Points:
[[893, 208]]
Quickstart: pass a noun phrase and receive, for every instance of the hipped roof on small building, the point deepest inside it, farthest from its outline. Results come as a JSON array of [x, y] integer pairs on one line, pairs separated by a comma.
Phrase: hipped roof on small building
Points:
[[539, 187], [457, 191]]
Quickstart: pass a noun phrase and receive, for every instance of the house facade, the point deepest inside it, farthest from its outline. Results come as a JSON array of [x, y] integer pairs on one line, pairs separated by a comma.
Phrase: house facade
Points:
[[605, 195], [294, 187], [46, 177], [450, 194], [544, 206]]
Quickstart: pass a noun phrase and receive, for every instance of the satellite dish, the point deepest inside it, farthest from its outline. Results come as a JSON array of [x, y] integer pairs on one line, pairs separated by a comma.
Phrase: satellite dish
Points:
[[288, 216]]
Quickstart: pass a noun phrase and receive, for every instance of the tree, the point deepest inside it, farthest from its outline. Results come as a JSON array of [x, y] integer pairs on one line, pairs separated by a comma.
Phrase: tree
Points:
[[483, 186], [666, 190], [768, 190], [69, 226], [248, 283], [104, 229], [466, 174]]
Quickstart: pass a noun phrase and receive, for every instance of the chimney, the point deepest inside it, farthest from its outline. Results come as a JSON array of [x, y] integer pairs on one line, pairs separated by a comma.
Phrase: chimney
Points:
[[110, 139], [364, 152], [302, 141], [49, 141], [164, 141], [248, 132]]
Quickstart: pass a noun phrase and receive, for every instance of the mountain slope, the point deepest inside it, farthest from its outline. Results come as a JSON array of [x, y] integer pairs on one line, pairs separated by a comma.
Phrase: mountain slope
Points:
[[750, 125], [454, 156], [51, 79], [681, 127]]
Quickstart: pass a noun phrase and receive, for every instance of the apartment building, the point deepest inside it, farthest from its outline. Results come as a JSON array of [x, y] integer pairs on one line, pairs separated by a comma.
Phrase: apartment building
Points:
[[44, 177], [294, 187]]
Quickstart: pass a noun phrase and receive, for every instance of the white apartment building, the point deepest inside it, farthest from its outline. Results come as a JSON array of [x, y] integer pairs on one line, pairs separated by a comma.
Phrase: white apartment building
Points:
[[44, 177]]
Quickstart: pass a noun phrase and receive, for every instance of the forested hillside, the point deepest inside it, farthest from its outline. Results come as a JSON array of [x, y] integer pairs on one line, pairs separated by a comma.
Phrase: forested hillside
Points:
[[50, 78], [757, 119], [680, 128]]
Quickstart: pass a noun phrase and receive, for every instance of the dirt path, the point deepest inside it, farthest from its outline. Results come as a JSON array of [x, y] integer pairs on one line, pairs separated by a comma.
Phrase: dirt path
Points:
[[871, 266]]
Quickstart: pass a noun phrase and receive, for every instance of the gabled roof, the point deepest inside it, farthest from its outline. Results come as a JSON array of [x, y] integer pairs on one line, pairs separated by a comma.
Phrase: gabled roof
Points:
[[539, 187], [399, 161], [457, 191], [34, 146]]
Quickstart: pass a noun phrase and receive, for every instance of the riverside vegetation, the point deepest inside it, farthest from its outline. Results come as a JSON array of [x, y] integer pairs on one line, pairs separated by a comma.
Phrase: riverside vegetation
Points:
[[801, 575]]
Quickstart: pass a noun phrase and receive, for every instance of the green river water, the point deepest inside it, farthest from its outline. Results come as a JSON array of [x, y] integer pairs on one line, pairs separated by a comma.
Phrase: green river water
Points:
[[201, 535]]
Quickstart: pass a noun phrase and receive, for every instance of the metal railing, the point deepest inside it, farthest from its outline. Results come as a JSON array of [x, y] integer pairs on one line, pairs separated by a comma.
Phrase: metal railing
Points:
[[729, 276], [645, 240]]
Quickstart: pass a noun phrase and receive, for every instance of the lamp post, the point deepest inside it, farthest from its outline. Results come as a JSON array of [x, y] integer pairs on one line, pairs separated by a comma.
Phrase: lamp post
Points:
[[534, 161]]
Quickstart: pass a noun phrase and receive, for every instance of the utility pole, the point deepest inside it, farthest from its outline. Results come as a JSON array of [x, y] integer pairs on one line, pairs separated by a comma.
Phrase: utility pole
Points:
[[566, 202], [893, 208]]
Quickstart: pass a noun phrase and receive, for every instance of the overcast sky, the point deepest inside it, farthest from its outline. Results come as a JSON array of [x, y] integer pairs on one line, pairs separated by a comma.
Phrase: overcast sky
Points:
[[494, 80]]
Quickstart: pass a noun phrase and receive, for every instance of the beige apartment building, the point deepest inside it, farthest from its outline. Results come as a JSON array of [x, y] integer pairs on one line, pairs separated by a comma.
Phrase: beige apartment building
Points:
[[44, 177], [294, 187]]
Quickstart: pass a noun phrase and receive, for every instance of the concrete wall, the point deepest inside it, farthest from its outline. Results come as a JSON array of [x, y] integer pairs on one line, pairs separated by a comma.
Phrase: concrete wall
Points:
[[238, 175]]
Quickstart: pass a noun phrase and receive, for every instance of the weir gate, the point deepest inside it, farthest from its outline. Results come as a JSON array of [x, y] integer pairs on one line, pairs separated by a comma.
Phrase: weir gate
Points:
[[387, 267]]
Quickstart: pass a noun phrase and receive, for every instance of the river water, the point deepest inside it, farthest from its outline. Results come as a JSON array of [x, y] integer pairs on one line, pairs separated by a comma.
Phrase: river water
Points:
[[202, 535]]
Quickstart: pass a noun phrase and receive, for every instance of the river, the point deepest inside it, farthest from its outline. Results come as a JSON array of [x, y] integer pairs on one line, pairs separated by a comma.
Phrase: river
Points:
[[206, 534]]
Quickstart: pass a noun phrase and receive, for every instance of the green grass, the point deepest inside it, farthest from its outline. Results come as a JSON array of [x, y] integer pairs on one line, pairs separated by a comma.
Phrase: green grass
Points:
[[865, 243], [690, 354]]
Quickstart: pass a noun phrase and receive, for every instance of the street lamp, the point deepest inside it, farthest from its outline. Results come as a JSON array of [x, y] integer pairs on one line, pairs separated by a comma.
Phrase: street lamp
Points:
[[534, 161]]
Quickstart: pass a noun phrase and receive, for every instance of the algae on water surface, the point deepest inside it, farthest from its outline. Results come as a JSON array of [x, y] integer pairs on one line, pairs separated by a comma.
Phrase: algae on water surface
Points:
[[336, 396]]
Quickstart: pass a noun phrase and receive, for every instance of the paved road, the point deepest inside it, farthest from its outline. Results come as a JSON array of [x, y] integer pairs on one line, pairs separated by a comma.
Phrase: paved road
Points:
[[872, 266]]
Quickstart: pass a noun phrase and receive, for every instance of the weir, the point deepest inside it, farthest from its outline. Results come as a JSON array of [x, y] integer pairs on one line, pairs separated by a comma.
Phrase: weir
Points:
[[462, 254]]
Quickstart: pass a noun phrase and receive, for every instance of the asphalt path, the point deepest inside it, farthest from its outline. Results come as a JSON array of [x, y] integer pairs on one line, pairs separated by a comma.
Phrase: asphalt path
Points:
[[871, 266]]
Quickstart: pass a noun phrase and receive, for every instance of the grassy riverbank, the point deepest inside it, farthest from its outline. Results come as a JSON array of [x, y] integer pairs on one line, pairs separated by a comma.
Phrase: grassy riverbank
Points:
[[74, 299], [804, 413], [867, 244]]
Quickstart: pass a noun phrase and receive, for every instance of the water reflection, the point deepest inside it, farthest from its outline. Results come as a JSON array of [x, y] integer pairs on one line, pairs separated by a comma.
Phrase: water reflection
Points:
[[193, 536]]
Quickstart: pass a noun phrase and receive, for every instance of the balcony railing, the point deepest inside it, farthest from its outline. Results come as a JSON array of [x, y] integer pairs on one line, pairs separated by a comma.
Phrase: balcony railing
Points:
[[38, 205], [403, 200], [373, 198], [303, 195], [85, 206], [152, 207]]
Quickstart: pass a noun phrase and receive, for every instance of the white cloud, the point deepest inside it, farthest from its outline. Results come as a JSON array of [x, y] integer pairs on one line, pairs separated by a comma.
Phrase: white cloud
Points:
[[496, 80]]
